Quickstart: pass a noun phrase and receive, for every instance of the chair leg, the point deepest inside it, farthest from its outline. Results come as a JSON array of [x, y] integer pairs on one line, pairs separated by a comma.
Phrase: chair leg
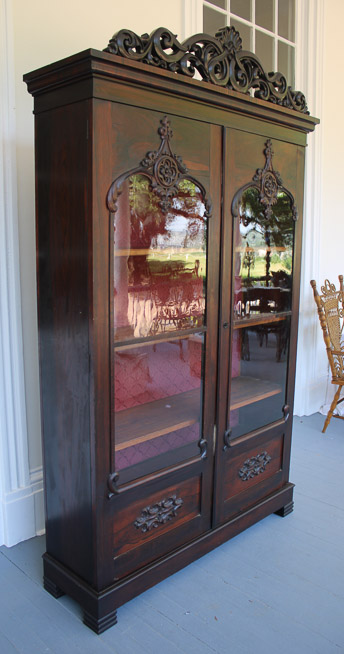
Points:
[[332, 408]]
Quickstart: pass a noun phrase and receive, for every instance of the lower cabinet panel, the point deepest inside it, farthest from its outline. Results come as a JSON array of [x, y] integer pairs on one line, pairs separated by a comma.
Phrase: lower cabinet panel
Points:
[[155, 523], [254, 470], [251, 467]]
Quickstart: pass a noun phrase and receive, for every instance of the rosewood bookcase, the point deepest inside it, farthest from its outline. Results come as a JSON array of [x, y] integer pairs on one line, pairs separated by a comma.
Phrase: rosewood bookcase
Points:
[[169, 225]]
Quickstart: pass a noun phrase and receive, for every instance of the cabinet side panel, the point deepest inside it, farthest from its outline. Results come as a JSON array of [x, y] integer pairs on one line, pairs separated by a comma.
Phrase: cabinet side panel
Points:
[[63, 314]]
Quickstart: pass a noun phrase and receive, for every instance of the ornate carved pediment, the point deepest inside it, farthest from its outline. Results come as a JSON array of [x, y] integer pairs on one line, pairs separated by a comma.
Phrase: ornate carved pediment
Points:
[[219, 60]]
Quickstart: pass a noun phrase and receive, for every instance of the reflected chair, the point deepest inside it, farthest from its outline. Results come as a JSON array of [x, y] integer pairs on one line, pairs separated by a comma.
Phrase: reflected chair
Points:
[[330, 305]]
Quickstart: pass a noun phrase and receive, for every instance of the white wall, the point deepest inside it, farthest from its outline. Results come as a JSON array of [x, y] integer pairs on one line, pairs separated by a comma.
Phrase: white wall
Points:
[[35, 34], [46, 31], [324, 213]]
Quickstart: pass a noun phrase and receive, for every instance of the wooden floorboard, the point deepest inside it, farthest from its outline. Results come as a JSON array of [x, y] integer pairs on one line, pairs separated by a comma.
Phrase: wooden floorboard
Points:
[[277, 587]]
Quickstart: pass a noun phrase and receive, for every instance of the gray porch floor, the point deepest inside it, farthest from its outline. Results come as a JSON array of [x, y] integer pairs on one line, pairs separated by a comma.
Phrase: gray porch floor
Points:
[[277, 587]]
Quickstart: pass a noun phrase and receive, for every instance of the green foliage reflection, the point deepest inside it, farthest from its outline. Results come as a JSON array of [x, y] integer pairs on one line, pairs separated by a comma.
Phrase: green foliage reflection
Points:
[[266, 242]]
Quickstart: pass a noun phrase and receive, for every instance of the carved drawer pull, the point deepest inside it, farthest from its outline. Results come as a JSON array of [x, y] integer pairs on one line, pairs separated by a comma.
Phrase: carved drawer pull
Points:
[[254, 466], [158, 514]]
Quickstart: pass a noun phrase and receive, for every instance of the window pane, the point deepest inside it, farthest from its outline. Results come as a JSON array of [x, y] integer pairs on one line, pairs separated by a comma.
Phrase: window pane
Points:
[[219, 3], [265, 50], [241, 8], [286, 19], [265, 14], [212, 20], [286, 61], [245, 33]]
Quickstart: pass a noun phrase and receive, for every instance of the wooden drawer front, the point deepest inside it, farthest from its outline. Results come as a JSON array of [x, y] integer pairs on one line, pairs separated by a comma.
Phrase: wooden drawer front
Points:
[[156, 523], [252, 474]]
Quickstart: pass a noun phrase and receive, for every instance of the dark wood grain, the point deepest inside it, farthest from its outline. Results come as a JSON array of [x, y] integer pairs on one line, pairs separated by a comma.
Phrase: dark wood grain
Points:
[[63, 229]]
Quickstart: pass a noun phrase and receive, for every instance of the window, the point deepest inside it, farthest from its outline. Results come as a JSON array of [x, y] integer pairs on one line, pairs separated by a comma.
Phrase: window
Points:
[[267, 28]]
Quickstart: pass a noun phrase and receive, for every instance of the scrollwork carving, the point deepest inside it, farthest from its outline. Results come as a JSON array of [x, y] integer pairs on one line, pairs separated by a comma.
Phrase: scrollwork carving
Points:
[[158, 514], [165, 171], [219, 60], [269, 184], [254, 466]]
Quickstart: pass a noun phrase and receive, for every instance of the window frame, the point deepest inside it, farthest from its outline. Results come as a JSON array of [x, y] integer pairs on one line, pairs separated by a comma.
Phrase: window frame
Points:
[[254, 27]]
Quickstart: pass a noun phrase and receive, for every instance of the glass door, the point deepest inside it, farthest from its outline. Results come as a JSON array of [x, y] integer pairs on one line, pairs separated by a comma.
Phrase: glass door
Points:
[[261, 259], [263, 245], [159, 325], [159, 241]]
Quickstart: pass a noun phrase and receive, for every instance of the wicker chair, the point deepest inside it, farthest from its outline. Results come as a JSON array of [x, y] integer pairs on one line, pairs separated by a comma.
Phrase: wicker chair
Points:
[[331, 315]]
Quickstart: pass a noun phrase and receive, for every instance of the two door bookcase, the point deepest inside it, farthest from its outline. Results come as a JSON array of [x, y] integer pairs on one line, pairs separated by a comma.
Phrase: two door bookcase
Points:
[[169, 224]]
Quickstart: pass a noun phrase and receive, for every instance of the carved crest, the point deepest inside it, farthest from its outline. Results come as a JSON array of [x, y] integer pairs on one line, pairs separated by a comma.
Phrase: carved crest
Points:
[[254, 466], [219, 60], [269, 184], [165, 171], [269, 181], [158, 514]]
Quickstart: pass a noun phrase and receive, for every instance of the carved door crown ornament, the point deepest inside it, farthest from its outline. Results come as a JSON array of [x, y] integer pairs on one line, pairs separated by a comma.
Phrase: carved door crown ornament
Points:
[[164, 170], [219, 60], [269, 184]]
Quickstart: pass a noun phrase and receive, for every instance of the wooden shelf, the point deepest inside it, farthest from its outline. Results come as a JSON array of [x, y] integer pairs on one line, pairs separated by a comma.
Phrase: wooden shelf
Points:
[[247, 390], [260, 319], [148, 421], [256, 248], [159, 338], [154, 419], [172, 251]]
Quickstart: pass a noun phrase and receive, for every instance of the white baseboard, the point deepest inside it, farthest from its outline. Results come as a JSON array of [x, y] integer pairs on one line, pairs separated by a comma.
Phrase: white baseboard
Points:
[[23, 511]]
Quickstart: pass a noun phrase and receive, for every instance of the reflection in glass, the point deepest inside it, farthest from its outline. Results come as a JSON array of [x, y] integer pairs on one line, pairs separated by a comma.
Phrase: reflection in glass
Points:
[[262, 267], [265, 14], [159, 261], [213, 20], [159, 326], [286, 19], [286, 61], [265, 50], [219, 3], [241, 8], [245, 32], [157, 397]]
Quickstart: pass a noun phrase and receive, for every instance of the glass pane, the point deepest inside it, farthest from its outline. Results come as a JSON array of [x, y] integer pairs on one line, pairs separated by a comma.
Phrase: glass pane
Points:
[[265, 14], [259, 375], [159, 261], [245, 32], [219, 3], [158, 401], [265, 50], [286, 61], [213, 20], [286, 19], [159, 326], [241, 8], [263, 260]]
